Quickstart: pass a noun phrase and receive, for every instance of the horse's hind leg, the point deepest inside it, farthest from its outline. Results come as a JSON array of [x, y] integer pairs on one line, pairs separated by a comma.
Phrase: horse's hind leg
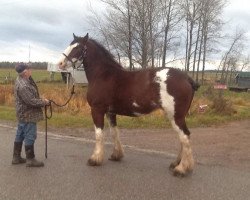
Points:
[[185, 161], [177, 161], [118, 152], [98, 154]]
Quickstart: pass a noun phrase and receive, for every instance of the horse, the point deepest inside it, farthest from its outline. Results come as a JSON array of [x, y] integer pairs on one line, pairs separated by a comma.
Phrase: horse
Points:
[[113, 90]]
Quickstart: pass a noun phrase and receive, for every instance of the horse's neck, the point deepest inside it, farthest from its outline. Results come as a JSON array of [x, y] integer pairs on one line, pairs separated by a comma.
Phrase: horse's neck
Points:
[[99, 63], [98, 70]]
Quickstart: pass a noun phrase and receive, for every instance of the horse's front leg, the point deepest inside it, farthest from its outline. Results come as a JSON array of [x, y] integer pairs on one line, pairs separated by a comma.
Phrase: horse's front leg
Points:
[[118, 152], [98, 154]]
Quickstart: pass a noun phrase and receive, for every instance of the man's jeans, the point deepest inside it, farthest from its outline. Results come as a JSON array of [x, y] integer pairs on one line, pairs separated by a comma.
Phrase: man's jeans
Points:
[[27, 132]]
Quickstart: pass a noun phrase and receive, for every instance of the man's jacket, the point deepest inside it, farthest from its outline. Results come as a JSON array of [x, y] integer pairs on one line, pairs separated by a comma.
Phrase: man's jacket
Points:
[[28, 103]]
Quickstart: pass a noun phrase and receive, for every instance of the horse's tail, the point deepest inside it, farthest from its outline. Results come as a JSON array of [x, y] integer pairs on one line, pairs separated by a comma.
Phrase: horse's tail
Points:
[[194, 84]]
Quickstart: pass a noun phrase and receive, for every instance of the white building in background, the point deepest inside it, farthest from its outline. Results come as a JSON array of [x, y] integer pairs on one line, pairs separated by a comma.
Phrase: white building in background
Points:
[[73, 75]]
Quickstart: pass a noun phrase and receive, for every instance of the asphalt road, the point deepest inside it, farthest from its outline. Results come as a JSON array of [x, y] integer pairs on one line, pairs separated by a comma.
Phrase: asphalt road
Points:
[[141, 175]]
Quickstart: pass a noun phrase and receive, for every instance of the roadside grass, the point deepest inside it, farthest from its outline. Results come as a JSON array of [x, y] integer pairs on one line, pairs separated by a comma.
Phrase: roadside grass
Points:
[[222, 106], [154, 120], [7, 113], [8, 75]]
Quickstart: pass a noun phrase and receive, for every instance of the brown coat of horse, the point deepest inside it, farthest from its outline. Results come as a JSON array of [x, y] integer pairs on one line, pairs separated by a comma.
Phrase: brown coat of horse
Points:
[[113, 91]]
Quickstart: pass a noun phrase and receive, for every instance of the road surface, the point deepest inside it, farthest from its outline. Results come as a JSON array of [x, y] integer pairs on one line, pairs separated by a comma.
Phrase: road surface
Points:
[[142, 174]]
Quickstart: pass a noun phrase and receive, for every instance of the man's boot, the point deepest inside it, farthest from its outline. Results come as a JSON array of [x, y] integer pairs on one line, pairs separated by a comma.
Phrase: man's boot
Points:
[[17, 159], [30, 156]]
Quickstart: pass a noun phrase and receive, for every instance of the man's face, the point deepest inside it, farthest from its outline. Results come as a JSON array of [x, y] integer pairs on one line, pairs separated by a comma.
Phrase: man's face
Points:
[[27, 73]]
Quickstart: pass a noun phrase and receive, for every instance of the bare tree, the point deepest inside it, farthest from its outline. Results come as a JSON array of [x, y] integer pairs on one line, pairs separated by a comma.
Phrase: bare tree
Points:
[[191, 10], [201, 37], [171, 18], [144, 30], [145, 26], [212, 24], [131, 26], [203, 26], [115, 26], [245, 63], [129, 36], [235, 49], [199, 40]]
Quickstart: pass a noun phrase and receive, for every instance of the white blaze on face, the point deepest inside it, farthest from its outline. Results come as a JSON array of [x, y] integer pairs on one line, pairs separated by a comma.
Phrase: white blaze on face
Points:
[[69, 48], [167, 101], [61, 62]]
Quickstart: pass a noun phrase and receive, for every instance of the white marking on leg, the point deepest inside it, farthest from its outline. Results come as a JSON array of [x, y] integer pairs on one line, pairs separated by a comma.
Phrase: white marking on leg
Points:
[[98, 153], [168, 104], [187, 161], [98, 133], [118, 151]]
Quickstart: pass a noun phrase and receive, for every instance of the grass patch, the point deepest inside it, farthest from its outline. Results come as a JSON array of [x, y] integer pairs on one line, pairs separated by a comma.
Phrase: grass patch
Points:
[[229, 107], [37, 74], [154, 120], [7, 113], [61, 120]]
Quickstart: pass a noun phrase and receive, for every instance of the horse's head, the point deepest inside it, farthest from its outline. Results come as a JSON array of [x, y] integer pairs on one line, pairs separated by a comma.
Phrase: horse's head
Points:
[[75, 53]]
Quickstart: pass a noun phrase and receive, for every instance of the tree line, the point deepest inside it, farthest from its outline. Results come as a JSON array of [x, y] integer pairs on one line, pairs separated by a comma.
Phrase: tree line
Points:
[[34, 65], [156, 33]]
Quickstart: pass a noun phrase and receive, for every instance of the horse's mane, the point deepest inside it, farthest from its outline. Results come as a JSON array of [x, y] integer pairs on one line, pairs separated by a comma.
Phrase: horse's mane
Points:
[[105, 53]]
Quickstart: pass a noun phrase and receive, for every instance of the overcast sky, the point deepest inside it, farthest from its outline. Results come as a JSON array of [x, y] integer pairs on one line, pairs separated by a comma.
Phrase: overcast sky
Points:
[[46, 26]]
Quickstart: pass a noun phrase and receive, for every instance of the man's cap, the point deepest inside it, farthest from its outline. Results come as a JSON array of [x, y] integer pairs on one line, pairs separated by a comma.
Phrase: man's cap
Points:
[[21, 67]]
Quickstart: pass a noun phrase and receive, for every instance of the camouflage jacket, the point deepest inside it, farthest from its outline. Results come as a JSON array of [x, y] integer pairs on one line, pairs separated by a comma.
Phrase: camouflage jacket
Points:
[[28, 103]]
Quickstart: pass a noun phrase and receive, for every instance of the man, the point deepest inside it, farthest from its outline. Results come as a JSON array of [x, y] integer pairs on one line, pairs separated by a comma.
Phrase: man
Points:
[[29, 112]]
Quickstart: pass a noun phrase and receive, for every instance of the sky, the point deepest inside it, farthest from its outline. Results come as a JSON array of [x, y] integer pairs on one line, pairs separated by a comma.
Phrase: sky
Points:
[[39, 30]]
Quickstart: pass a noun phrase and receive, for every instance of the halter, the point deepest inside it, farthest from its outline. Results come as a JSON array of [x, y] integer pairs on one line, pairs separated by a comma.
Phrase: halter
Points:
[[82, 56]]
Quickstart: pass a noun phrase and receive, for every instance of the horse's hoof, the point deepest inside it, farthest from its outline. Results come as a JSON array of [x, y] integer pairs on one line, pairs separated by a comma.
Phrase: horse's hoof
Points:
[[178, 170], [93, 163], [178, 173], [115, 158], [172, 166], [181, 173]]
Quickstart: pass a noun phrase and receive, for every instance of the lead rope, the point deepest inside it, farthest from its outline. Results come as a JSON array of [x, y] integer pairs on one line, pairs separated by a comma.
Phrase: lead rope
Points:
[[51, 101], [49, 116]]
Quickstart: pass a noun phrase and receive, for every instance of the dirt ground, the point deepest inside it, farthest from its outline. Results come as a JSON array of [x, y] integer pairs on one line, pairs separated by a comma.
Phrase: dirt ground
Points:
[[226, 145]]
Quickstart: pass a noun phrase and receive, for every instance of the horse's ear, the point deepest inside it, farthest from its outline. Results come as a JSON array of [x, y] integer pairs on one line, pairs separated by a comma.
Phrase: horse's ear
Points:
[[74, 36], [86, 37]]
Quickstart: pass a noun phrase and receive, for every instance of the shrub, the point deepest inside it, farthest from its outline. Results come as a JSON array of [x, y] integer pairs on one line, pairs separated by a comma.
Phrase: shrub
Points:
[[221, 105]]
